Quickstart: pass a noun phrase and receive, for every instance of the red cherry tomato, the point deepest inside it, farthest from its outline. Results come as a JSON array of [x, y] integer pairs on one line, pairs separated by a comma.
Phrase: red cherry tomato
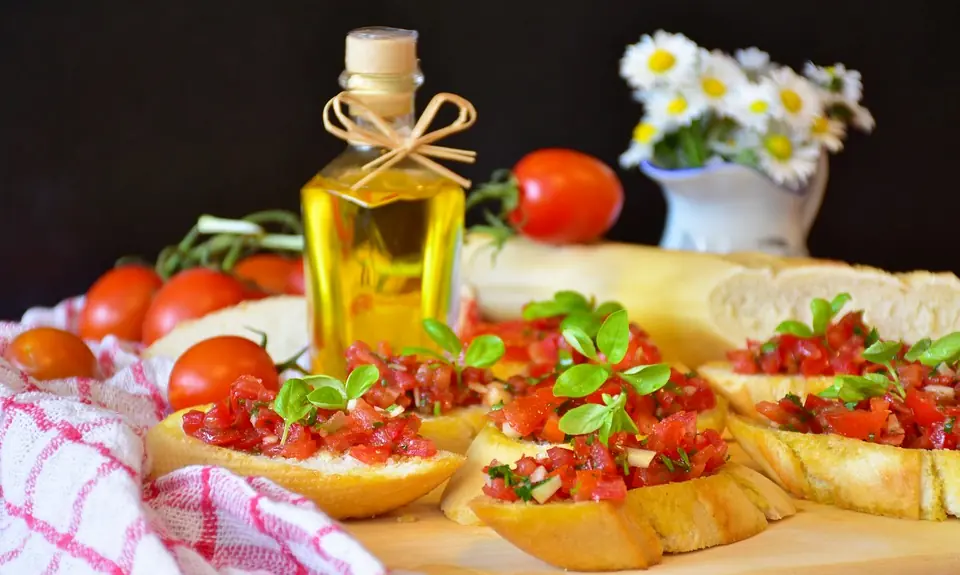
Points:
[[565, 197], [117, 303], [206, 371], [49, 353], [295, 282], [269, 272], [190, 294]]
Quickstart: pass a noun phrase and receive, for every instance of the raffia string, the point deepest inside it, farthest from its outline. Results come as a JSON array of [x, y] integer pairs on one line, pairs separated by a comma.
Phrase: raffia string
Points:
[[418, 145]]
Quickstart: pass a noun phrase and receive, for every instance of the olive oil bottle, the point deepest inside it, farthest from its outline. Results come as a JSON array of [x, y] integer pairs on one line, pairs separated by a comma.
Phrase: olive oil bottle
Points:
[[382, 256]]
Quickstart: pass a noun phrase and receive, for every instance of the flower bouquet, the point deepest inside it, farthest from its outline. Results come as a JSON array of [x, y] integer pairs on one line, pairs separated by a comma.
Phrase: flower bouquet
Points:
[[702, 106]]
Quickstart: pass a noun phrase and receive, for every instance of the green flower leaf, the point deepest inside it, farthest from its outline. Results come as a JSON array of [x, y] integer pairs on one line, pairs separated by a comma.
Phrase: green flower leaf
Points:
[[647, 379], [443, 336], [944, 350], [614, 336], [327, 393], [291, 403], [580, 380], [580, 341], [794, 327], [917, 349], [484, 351], [361, 379], [584, 419], [882, 351]]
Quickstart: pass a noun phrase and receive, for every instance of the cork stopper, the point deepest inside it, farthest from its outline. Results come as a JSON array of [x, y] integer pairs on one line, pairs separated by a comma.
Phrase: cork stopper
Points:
[[381, 50]]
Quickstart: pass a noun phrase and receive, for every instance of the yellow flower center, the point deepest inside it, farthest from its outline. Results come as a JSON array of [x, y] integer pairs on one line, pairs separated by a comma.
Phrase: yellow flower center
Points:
[[644, 133], [820, 125], [759, 107], [791, 101], [713, 87], [661, 61], [677, 106], [779, 147]]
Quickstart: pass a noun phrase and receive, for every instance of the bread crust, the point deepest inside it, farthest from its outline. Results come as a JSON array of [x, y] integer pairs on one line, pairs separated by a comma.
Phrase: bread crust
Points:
[[672, 518], [354, 490], [853, 474], [743, 392]]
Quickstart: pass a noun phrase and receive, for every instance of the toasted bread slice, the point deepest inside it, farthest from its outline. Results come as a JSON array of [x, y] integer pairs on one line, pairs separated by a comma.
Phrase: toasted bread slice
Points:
[[454, 431], [340, 486], [744, 391], [853, 474], [673, 518]]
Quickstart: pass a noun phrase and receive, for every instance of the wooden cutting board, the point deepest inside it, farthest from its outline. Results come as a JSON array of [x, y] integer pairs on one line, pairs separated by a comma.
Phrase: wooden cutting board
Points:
[[818, 540]]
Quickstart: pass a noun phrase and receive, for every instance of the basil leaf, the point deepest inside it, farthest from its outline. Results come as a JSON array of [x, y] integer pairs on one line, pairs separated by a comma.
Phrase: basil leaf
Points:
[[484, 351], [769, 347], [291, 403], [614, 336], [443, 336], [571, 300], [586, 321], [854, 388], [647, 379], [422, 351], [328, 393], [796, 328], [361, 379], [913, 354], [822, 314], [580, 380], [542, 309], [580, 341], [838, 301], [606, 428], [944, 350], [872, 337], [608, 307], [882, 351], [584, 419]]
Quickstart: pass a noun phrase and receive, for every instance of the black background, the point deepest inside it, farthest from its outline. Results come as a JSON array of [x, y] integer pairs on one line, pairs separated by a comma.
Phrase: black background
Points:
[[122, 121]]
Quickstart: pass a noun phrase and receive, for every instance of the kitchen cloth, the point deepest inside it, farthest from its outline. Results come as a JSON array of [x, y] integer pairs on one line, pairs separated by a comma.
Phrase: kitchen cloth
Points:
[[73, 499]]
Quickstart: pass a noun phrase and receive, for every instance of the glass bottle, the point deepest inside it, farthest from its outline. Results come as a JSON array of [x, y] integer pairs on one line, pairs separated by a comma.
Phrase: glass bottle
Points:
[[382, 257]]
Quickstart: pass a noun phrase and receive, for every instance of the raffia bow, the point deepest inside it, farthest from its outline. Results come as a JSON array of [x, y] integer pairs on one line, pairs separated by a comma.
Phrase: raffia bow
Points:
[[418, 145]]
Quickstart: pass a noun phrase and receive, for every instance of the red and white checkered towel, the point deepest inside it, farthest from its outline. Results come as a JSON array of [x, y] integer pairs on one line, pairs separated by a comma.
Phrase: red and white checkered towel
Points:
[[73, 500]]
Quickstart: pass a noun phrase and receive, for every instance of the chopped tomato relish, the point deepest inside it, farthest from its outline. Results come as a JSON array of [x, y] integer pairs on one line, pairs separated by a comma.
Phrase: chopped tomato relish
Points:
[[539, 343], [837, 351], [590, 471], [535, 414], [246, 421], [427, 386], [925, 418]]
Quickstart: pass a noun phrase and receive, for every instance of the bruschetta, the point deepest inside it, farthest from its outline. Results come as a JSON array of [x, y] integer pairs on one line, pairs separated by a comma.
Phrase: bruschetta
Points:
[[621, 504], [316, 437], [540, 415], [884, 442]]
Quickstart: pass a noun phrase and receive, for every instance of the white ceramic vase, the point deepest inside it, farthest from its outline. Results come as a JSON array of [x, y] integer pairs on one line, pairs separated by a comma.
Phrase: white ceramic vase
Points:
[[728, 207]]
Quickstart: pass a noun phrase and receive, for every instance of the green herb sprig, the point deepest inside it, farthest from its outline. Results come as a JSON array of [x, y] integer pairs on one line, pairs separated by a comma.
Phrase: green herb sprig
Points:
[[823, 312], [299, 398], [933, 353], [577, 311], [483, 352], [581, 380]]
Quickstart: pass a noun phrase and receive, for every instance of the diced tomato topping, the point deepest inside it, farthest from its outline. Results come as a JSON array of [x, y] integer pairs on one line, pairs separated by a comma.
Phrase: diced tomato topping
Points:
[[245, 421]]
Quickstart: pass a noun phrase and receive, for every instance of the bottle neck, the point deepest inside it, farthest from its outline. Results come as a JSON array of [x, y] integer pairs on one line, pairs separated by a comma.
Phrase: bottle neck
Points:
[[389, 96]]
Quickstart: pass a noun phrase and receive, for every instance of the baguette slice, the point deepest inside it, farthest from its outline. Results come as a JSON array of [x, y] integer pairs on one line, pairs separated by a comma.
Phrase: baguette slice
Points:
[[697, 306], [340, 486], [673, 518], [744, 391], [853, 474]]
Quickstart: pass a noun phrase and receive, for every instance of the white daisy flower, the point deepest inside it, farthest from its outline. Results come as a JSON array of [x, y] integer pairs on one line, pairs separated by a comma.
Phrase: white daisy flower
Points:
[[754, 105], [836, 79], [786, 158], [828, 132], [753, 59], [862, 119], [672, 109], [799, 100], [719, 78], [645, 137], [657, 60]]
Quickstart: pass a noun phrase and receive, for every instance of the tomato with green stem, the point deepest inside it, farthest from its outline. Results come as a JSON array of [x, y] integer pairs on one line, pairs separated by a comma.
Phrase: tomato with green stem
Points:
[[555, 196], [46, 353], [116, 304], [270, 272]]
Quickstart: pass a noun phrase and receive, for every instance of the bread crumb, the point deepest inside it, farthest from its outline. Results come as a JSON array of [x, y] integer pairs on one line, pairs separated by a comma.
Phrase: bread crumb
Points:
[[407, 518]]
